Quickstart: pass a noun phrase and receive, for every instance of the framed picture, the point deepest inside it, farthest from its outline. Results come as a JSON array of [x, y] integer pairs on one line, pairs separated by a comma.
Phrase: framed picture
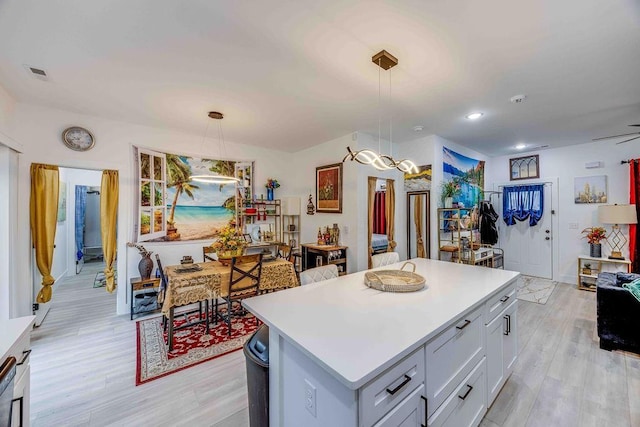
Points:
[[590, 189], [247, 238], [329, 188], [524, 168]]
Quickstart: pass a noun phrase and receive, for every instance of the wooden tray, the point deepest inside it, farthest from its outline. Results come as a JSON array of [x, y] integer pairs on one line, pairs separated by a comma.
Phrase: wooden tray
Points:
[[395, 280]]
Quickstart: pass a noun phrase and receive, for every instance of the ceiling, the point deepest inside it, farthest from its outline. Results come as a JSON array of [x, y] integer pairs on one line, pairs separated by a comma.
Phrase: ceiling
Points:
[[292, 74]]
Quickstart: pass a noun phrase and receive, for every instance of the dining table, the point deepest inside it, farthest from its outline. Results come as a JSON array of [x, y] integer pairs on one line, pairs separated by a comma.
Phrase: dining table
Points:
[[194, 283]]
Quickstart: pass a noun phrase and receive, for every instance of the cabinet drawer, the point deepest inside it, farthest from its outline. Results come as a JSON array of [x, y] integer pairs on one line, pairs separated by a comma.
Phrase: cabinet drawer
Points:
[[466, 406], [500, 301], [406, 414], [452, 355], [391, 387]]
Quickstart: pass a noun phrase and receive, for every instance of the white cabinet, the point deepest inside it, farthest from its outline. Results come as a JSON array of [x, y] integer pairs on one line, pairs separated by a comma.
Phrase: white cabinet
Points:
[[409, 413], [16, 341], [502, 349]]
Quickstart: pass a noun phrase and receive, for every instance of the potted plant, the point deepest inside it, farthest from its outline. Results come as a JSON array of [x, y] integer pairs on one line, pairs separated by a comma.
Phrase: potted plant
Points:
[[229, 243], [594, 236], [270, 186], [449, 190]]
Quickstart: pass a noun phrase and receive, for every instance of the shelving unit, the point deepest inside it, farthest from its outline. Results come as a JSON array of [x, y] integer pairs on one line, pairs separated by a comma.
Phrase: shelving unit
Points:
[[265, 213], [314, 255], [458, 242], [587, 278]]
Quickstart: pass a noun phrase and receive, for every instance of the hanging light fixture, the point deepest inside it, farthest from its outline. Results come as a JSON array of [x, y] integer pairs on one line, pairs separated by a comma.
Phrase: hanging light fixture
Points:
[[215, 178], [382, 162]]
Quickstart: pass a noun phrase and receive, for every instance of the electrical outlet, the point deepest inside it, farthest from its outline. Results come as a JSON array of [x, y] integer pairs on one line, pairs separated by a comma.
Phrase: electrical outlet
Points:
[[310, 397], [573, 226]]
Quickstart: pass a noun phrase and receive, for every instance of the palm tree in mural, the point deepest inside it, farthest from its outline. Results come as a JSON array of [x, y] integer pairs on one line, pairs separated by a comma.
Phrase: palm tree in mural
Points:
[[222, 167], [180, 179]]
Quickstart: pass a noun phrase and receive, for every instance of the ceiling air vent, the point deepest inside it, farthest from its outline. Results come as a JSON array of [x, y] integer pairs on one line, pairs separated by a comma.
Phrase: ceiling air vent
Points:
[[38, 73]]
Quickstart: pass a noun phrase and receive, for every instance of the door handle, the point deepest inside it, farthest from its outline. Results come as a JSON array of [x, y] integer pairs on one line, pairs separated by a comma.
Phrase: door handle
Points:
[[466, 323], [547, 231], [426, 411], [507, 317], [407, 378], [463, 397], [547, 238]]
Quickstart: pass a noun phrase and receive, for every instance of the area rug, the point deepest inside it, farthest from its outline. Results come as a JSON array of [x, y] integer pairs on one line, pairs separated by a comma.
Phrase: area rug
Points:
[[535, 289], [101, 280], [191, 345]]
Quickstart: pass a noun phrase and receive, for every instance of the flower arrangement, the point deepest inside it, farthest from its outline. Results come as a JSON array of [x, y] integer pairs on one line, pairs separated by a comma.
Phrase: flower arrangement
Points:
[[272, 183], [451, 188], [228, 240], [594, 234], [141, 249]]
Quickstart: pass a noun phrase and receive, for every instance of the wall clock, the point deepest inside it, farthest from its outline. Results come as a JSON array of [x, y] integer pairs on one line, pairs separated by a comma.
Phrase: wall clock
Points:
[[78, 138]]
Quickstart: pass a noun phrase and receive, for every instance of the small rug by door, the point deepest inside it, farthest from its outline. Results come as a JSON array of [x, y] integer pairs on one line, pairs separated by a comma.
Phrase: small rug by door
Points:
[[191, 345], [535, 289]]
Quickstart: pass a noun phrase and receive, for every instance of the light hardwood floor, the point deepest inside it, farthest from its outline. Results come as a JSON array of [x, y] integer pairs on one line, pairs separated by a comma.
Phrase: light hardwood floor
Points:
[[83, 370]]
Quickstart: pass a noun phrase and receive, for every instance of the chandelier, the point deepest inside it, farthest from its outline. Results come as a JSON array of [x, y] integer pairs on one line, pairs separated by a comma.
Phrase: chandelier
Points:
[[215, 178], [379, 161]]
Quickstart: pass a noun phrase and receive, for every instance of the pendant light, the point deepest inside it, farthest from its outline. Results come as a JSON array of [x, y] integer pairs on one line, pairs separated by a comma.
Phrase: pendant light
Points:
[[382, 162], [215, 178]]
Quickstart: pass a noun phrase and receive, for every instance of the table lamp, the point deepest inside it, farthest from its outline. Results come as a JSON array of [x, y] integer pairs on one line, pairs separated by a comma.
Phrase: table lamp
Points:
[[616, 215]]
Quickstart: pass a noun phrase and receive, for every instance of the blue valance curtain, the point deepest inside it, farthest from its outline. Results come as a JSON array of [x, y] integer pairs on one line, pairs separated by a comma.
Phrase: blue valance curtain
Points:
[[522, 202], [81, 205]]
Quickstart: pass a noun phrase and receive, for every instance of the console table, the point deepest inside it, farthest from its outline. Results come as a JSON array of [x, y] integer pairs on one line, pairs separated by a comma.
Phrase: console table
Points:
[[314, 255], [587, 277]]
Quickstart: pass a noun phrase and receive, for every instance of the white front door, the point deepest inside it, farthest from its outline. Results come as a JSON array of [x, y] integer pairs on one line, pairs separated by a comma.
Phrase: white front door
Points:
[[528, 249]]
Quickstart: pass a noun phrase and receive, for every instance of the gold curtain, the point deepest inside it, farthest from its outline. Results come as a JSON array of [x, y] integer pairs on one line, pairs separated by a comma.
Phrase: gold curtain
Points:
[[372, 195], [390, 213], [108, 223], [417, 219], [43, 211]]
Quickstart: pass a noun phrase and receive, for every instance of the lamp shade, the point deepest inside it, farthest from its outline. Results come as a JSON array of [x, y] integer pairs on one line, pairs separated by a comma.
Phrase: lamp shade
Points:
[[291, 206], [617, 214]]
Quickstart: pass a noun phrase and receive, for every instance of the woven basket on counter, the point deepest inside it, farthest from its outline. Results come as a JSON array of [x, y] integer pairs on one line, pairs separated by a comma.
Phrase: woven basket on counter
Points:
[[395, 280]]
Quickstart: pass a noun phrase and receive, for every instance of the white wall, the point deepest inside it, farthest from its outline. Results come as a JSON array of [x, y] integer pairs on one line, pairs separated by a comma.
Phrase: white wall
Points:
[[39, 129], [7, 107], [565, 164], [425, 151], [9, 292]]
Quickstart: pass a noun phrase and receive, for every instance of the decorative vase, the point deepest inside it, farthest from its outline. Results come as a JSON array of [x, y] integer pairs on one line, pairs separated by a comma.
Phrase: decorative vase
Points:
[[145, 266], [448, 202], [595, 250], [269, 193]]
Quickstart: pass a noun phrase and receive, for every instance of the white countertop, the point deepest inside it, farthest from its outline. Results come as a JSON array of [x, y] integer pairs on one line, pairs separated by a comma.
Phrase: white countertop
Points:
[[12, 329], [355, 332]]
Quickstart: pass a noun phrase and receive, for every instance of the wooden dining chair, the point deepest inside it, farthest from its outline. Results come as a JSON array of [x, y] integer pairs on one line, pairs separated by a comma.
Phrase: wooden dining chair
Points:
[[207, 251], [244, 282], [284, 252], [167, 322]]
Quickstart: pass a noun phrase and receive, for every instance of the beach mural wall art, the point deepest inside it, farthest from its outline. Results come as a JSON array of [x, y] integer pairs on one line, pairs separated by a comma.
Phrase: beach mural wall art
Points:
[[196, 210], [467, 172]]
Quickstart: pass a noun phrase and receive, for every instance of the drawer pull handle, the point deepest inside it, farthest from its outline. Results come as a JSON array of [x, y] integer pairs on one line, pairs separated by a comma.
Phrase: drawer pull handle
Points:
[[504, 298], [466, 323], [467, 393], [25, 354], [426, 411], [407, 378]]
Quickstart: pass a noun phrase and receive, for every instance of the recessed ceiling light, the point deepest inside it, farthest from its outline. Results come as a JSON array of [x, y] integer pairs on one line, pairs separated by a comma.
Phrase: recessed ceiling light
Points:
[[418, 128], [521, 146], [474, 116]]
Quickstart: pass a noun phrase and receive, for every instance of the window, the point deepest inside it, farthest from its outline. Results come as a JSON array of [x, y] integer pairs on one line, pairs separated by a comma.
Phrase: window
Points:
[[152, 206]]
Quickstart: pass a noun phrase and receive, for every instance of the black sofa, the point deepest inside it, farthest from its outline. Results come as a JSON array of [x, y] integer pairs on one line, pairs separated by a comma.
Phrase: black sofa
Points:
[[618, 313]]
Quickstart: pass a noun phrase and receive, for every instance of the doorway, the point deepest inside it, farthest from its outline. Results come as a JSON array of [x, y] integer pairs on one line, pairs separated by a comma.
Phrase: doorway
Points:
[[529, 249]]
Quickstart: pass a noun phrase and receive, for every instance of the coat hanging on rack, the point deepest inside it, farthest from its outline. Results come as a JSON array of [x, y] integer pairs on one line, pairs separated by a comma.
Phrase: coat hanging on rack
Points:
[[488, 218]]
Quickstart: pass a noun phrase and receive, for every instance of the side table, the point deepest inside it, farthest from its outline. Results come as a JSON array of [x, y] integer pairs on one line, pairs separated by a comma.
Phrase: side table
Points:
[[144, 295], [587, 275]]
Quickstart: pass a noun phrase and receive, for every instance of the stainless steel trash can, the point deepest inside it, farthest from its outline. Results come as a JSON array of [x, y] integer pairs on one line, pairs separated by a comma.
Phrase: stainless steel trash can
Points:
[[256, 351]]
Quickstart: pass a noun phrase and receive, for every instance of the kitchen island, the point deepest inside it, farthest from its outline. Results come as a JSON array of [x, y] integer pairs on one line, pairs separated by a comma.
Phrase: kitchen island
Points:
[[346, 355]]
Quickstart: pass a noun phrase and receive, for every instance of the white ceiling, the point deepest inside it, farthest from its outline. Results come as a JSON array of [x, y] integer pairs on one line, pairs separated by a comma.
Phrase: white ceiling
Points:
[[292, 74]]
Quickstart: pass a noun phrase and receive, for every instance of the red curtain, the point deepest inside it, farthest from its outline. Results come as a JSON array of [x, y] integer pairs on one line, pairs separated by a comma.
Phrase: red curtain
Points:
[[379, 219], [634, 199]]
